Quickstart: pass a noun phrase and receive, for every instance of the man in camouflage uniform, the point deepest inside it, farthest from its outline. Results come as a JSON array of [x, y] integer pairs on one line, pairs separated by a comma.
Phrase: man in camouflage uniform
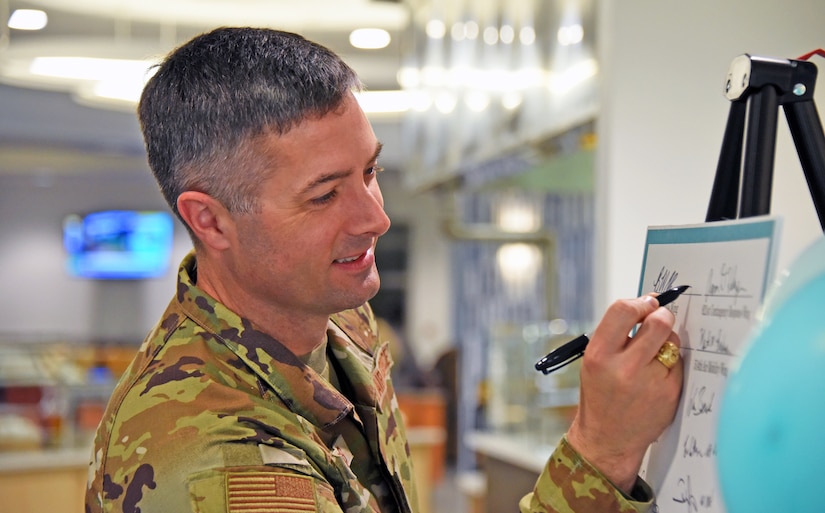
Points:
[[265, 386]]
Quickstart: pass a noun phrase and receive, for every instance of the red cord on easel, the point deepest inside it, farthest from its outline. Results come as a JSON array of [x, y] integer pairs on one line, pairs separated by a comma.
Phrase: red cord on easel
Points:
[[807, 56]]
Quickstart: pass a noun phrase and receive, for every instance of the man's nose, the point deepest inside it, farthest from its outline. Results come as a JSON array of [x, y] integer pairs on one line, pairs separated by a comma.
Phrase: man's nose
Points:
[[370, 212]]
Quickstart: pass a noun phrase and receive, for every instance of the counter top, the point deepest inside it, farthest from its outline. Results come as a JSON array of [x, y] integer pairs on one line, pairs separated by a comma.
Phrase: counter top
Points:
[[15, 461], [518, 450], [423, 435]]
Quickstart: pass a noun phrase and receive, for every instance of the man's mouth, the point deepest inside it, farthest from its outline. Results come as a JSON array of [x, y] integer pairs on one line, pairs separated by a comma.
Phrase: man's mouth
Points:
[[364, 256], [348, 259]]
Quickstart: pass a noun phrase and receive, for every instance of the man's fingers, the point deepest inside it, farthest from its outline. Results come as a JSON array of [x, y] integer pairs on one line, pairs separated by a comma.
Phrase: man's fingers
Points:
[[655, 330], [611, 334]]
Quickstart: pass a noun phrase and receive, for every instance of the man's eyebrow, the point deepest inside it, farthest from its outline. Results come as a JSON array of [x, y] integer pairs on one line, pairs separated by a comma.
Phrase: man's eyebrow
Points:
[[321, 180], [378, 147], [337, 175]]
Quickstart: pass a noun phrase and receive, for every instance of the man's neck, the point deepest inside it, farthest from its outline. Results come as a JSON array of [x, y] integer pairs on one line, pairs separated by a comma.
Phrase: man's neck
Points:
[[300, 333]]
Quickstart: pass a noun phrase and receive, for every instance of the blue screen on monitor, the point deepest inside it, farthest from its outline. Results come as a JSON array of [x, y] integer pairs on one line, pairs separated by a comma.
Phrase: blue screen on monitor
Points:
[[118, 244]]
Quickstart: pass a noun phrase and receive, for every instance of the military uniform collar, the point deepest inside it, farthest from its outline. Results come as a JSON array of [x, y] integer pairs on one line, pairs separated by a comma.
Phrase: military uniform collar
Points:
[[297, 385]]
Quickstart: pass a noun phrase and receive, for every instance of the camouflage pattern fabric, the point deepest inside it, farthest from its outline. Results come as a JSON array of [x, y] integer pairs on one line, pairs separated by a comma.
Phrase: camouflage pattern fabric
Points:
[[215, 416], [569, 484]]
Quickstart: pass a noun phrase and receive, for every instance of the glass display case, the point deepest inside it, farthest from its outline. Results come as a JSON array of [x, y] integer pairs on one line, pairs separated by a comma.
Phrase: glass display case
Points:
[[53, 391], [521, 401]]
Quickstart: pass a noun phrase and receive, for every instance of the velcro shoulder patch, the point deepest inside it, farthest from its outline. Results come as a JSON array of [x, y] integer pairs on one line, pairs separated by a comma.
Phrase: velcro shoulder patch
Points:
[[276, 456]]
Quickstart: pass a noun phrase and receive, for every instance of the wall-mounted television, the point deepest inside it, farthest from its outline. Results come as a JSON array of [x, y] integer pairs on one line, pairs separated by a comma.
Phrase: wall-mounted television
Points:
[[118, 244]]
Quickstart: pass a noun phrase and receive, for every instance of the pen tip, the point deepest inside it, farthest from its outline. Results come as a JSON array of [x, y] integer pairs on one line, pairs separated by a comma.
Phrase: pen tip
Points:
[[682, 288]]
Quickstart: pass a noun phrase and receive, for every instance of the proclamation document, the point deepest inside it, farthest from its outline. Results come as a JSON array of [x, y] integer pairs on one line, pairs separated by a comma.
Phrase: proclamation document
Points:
[[728, 265]]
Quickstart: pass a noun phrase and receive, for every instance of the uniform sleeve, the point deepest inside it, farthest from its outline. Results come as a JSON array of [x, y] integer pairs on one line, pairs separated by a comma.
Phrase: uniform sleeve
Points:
[[569, 484]]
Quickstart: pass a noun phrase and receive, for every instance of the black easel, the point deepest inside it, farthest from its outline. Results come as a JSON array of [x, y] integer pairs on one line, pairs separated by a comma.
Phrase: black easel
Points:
[[757, 86]]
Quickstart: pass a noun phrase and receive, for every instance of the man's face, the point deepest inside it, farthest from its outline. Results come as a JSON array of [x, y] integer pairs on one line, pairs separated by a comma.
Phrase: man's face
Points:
[[310, 249]]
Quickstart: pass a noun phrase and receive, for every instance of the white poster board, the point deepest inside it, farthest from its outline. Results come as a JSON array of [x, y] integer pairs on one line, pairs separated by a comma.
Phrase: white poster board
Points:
[[728, 265]]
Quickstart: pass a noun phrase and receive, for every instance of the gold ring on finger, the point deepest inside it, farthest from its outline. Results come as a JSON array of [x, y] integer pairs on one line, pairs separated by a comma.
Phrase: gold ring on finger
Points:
[[668, 354]]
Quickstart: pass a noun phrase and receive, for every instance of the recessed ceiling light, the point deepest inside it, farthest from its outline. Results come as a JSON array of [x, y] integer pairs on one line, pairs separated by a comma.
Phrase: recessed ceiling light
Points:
[[436, 29], [570, 34], [369, 38], [28, 19]]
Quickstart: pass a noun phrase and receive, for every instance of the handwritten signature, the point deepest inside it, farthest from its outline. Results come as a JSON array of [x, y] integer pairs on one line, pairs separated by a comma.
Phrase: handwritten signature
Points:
[[691, 448], [713, 341], [699, 404], [665, 279], [725, 283], [687, 498]]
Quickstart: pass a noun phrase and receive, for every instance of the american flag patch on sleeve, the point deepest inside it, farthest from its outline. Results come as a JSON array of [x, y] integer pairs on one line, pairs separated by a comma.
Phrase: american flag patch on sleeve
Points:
[[256, 492]]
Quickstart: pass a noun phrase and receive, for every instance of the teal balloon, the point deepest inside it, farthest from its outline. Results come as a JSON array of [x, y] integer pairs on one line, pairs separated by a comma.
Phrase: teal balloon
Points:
[[771, 428], [809, 264]]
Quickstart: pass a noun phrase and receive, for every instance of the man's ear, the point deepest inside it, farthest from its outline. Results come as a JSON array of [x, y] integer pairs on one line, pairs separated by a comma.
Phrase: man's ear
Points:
[[207, 218]]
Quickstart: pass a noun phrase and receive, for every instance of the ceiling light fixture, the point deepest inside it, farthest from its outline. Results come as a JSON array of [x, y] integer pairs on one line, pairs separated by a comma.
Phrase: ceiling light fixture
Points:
[[384, 102], [435, 29], [490, 35], [118, 83], [89, 68], [471, 29], [507, 34], [369, 38], [569, 35], [527, 36], [577, 74], [28, 19]]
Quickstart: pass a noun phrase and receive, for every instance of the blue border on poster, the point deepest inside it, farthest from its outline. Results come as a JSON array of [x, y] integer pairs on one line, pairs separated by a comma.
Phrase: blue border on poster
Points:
[[719, 231]]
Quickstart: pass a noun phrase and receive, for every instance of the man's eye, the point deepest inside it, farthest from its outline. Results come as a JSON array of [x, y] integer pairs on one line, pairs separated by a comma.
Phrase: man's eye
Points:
[[326, 198], [374, 170]]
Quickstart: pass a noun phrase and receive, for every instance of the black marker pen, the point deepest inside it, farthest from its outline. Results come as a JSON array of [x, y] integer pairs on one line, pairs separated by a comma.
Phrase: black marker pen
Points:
[[573, 350]]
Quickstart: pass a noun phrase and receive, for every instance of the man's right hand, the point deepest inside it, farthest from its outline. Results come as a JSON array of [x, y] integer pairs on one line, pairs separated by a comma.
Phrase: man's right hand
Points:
[[627, 396]]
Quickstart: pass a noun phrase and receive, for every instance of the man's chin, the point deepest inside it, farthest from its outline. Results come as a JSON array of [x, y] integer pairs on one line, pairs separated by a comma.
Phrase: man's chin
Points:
[[375, 290], [353, 298], [369, 296]]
